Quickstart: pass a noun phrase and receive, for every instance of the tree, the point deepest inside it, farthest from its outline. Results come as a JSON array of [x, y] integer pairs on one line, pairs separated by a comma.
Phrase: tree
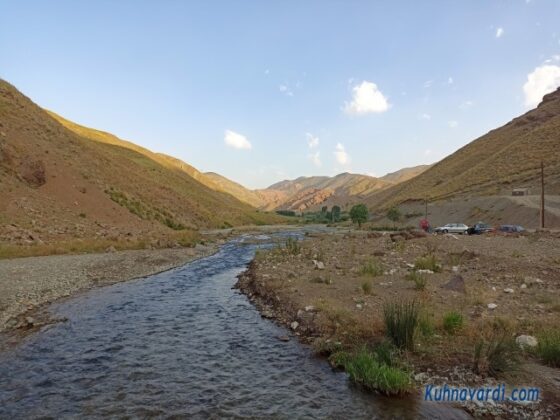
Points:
[[335, 213], [394, 215], [324, 209], [359, 214]]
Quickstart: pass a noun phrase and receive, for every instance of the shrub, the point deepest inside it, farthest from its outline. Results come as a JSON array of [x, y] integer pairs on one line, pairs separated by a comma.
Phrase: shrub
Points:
[[548, 348], [293, 246], [419, 279], [452, 322], [366, 287], [497, 354], [394, 215], [401, 320], [371, 268], [426, 325], [364, 369], [428, 262]]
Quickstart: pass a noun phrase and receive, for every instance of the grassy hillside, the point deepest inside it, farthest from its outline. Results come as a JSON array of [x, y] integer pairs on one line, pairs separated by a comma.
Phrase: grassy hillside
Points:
[[404, 174], [505, 158], [59, 180]]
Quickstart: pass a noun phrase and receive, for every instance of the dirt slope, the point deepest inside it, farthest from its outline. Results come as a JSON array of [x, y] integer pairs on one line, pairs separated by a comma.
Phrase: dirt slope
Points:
[[59, 180], [505, 158]]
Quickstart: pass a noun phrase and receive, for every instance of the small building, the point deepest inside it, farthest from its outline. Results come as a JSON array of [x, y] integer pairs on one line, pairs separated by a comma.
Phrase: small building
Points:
[[520, 191]]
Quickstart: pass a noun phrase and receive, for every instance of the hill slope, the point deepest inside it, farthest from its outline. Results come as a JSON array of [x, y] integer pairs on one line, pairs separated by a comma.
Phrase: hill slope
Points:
[[505, 158], [61, 180]]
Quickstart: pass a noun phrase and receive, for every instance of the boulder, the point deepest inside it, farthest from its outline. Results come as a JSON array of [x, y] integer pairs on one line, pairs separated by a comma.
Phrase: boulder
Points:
[[318, 265], [457, 284], [526, 341]]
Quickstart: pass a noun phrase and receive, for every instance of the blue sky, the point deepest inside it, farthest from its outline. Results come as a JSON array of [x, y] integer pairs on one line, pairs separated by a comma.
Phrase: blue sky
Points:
[[261, 91]]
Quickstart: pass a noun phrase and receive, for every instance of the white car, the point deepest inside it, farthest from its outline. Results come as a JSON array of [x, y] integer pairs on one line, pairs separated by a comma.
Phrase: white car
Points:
[[453, 228]]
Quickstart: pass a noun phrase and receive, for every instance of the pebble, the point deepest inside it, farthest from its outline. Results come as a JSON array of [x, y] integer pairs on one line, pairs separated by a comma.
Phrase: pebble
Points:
[[508, 290], [294, 325], [492, 306]]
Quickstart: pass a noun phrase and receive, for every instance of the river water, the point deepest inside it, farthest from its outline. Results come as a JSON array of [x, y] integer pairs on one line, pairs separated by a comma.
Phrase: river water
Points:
[[180, 344]]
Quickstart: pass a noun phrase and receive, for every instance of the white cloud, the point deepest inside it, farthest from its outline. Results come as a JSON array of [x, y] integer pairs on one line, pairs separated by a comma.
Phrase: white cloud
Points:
[[499, 32], [285, 90], [236, 140], [315, 158], [428, 83], [427, 152], [372, 174], [366, 98], [452, 124], [312, 141], [267, 72], [466, 105], [426, 117], [542, 80], [450, 80], [340, 154]]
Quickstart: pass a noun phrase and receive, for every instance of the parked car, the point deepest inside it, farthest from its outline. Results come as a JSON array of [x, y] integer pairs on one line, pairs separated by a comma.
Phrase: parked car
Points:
[[511, 229], [452, 228], [480, 228]]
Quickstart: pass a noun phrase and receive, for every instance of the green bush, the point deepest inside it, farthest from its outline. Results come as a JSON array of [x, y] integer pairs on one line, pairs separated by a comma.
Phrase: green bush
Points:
[[428, 262], [293, 246], [452, 322], [548, 347], [364, 369], [401, 320], [367, 287], [497, 355], [419, 279], [426, 325], [371, 268]]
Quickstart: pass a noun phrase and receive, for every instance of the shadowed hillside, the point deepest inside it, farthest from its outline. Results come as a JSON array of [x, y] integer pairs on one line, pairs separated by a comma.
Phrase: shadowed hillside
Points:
[[505, 158], [59, 180]]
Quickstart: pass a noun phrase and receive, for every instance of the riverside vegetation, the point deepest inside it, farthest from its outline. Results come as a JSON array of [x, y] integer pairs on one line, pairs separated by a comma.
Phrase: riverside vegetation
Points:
[[396, 314]]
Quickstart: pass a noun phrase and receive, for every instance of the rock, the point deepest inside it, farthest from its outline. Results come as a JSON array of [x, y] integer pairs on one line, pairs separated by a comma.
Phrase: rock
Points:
[[294, 325], [359, 306], [425, 271], [33, 172], [318, 265], [492, 306], [284, 338], [525, 341], [421, 377], [508, 290], [111, 249], [523, 286], [457, 284], [310, 308], [455, 269]]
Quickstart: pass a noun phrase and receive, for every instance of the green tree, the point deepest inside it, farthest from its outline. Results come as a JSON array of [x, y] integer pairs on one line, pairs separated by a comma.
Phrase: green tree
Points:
[[335, 213], [324, 209], [394, 215], [359, 214]]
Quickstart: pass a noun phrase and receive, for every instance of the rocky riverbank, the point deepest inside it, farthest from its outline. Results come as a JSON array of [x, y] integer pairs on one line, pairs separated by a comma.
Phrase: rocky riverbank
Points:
[[330, 292], [27, 284]]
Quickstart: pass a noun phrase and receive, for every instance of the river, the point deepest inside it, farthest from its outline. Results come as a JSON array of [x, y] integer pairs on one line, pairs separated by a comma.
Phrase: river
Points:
[[180, 344]]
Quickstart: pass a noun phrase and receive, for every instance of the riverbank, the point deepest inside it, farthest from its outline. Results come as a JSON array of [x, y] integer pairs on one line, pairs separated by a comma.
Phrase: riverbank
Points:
[[27, 284], [332, 289]]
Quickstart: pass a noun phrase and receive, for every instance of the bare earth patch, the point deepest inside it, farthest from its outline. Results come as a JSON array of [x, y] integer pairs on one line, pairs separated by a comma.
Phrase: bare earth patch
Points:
[[333, 290]]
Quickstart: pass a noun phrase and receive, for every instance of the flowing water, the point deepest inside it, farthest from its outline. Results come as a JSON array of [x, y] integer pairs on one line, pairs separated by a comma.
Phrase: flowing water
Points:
[[180, 344]]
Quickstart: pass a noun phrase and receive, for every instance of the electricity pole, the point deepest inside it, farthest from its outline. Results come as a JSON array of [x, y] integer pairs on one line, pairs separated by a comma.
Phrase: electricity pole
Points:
[[542, 195]]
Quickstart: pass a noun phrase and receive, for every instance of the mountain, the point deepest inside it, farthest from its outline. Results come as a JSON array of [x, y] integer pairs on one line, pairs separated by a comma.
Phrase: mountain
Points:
[[237, 190], [311, 193], [60, 180], [495, 163], [404, 174]]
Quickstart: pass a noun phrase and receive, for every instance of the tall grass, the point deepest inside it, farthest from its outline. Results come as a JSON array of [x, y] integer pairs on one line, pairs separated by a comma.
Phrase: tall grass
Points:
[[401, 319], [497, 354], [365, 369], [427, 262], [548, 347], [293, 246], [371, 268], [419, 279], [452, 322]]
